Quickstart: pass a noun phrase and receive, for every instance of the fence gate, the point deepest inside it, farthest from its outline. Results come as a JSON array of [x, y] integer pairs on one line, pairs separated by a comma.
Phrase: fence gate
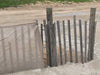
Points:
[[20, 48], [67, 41]]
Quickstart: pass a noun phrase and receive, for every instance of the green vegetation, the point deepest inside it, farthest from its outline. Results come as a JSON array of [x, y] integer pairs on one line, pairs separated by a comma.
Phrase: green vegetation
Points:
[[73, 0], [15, 3]]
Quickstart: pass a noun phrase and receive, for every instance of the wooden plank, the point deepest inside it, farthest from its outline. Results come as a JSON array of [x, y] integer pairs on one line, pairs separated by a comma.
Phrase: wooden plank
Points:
[[64, 39], [47, 45], [81, 44], [55, 50], [23, 45], [60, 45], [75, 39], [70, 44], [52, 44], [3, 48], [85, 29], [92, 28], [42, 32]]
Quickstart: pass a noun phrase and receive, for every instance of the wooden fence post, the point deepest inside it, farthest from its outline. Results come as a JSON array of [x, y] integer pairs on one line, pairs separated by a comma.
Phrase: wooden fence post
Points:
[[60, 45], [51, 38], [85, 31], [75, 39], [92, 26], [70, 43], [64, 39], [42, 32], [81, 43]]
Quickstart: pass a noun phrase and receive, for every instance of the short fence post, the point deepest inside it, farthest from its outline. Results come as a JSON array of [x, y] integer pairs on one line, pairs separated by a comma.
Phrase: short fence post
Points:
[[92, 26], [51, 39]]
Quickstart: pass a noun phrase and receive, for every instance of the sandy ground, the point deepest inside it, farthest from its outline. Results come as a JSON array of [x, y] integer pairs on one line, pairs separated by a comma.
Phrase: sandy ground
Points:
[[29, 13]]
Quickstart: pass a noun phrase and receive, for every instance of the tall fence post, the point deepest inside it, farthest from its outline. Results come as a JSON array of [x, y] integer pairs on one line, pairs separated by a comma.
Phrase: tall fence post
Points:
[[92, 26], [51, 38]]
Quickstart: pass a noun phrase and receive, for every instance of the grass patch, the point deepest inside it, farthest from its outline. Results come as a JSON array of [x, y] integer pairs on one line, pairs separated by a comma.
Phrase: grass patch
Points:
[[15, 3], [72, 0], [97, 0]]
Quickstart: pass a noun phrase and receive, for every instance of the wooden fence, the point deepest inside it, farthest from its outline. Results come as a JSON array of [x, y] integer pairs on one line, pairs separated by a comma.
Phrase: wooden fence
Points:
[[60, 47]]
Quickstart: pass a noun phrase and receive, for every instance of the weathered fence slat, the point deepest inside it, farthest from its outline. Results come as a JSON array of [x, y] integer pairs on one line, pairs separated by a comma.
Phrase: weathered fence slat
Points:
[[42, 32], [47, 45], [85, 29], [60, 46], [81, 44], [17, 49], [30, 47], [3, 48], [64, 39], [75, 39], [70, 44], [92, 28], [23, 45], [54, 45], [11, 56]]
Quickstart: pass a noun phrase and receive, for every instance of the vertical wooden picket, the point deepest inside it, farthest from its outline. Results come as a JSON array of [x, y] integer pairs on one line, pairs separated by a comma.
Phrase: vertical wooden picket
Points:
[[75, 38], [81, 44], [85, 30], [64, 40], [60, 45], [70, 44]]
